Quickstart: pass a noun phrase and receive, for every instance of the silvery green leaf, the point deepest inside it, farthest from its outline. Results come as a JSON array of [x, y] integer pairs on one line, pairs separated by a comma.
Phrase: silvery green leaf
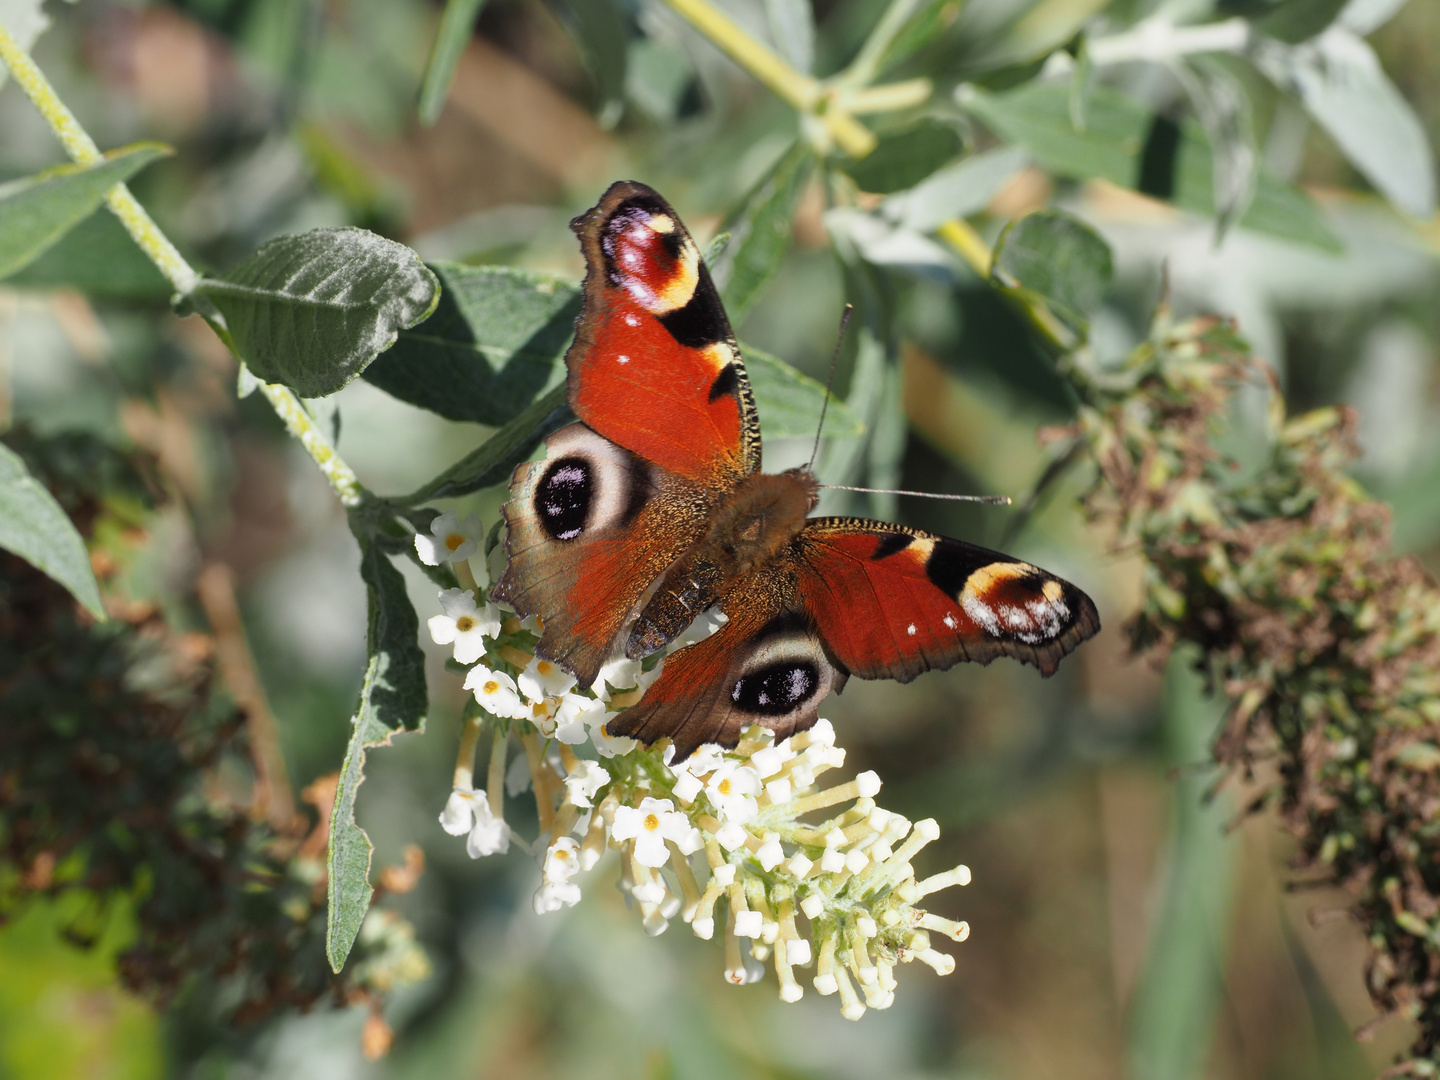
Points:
[[33, 526], [392, 699], [1338, 79], [884, 244], [313, 311], [1057, 257], [956, 191], [792, 27], [37, 211], [1364, 17], [1224, 111]]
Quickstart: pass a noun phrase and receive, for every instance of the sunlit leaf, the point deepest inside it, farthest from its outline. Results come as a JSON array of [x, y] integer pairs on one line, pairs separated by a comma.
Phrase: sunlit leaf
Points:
[[1057, 257], [1037, 117], [313, 311], [36, 212], [957, 190], [33, 526], [1224, 110], [792, 27], [392, 699], [1340, 82]]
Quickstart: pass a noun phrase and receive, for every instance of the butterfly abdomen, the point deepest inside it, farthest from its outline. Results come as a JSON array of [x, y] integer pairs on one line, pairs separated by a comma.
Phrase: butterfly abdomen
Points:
[[748, 532]]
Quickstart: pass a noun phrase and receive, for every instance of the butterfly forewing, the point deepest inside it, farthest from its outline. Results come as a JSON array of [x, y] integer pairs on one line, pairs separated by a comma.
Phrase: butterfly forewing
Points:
[[654, 366]]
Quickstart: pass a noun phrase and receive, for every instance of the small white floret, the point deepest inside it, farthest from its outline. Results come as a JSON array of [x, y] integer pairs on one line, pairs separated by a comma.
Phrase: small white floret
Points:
[[464, 624], [771, 854], [451, 539], [749, 924]]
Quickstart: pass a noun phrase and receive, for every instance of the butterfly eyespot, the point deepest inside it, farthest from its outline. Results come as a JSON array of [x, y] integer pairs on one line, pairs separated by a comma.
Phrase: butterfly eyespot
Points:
[[563, 498], [777, 689]]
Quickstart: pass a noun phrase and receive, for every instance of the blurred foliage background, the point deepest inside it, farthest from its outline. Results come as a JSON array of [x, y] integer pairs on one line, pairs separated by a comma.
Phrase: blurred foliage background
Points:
[[1121, 925]]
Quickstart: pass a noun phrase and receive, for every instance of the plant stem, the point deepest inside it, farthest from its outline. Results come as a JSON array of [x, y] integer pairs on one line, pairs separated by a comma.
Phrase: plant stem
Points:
[[1158, 39], [800, 92], [301, 424], [970, 246], [82, 149], [892, 97]]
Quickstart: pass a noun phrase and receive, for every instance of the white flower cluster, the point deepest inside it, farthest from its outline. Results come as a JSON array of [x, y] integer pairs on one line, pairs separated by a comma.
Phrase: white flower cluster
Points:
[[837, 893]]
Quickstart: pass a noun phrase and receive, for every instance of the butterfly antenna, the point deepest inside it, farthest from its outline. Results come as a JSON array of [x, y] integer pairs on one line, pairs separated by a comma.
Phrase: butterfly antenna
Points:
[[830, 381], [988, 500]]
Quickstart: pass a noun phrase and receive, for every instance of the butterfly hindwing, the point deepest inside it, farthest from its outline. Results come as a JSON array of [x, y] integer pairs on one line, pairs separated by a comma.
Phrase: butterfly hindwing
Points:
[[765, 666], [590, 528], [654, 366], [893, 602]]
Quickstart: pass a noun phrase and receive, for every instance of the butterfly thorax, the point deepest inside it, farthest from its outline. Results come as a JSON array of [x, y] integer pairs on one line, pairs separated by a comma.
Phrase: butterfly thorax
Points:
[[749, 529]]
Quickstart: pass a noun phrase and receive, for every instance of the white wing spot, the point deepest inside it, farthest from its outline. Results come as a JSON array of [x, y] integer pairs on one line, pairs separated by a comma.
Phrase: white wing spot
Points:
[[622, 359], [910, 629], [631, 319], [949, 621]]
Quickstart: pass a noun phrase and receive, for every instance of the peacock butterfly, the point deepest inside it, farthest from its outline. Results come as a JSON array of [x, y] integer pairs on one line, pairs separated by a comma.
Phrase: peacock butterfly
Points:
[[652, 509]]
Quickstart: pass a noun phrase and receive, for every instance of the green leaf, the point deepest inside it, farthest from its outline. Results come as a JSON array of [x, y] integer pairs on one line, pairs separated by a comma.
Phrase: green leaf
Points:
[[99, 258], [33, 526], [36, 212], [1298, 20], [658, 78], [932, 20], [792, 28], [1338, 79], [1182, 982], [313, 311], [1037, 117], [1060, 259], [495, 459], [790, 401], [956, 191], [392, 699], [494, 344], [456, 26], [760, 229], [907, 157], [602, 35], [1224, 110]]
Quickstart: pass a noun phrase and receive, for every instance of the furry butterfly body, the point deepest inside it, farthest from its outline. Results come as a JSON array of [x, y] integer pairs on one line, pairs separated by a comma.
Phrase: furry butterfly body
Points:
[[652, 509]]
